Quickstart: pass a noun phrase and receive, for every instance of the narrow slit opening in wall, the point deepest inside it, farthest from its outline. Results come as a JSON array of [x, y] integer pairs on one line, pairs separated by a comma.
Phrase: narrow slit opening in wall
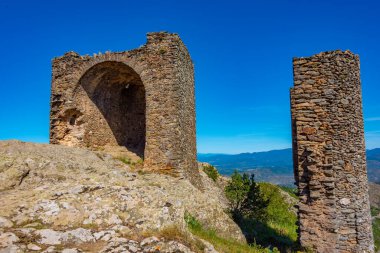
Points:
[[72, 120], [117, 107]]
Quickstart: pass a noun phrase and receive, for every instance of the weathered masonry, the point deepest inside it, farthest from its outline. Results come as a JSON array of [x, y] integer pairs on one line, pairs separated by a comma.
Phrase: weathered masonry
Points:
[[141, 99], [329, 153]]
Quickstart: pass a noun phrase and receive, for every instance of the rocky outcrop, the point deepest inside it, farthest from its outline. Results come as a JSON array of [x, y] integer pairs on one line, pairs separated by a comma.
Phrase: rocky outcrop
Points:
[[57, 198]]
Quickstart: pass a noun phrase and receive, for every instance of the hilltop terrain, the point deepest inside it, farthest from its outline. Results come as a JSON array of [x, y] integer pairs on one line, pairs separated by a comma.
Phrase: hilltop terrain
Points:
[[63, 199], [56, 198]]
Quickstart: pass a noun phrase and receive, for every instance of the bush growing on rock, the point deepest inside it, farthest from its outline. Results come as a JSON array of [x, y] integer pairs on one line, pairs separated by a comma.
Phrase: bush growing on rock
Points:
[[211, 172]]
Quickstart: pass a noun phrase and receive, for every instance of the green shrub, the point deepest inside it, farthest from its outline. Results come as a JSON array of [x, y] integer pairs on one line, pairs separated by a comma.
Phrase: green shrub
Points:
[[245, 197], [262, 212], [211, 172]]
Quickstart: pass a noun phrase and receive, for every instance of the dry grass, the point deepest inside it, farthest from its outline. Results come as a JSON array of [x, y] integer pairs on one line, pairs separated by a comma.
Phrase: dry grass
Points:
[[23, 238], [176, 234], [90, 246]]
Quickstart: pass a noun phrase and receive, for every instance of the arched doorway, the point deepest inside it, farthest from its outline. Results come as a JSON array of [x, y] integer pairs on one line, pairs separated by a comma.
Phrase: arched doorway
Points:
[[115, 109], [141, 99]]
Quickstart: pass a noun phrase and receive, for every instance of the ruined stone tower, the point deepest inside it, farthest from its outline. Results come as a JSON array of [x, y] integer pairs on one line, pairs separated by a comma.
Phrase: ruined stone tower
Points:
[[141, 99], [329, 153]]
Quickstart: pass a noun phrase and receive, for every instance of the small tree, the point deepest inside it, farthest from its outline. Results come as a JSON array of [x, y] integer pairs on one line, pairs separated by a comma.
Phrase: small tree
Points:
[[236, 192], [255, 205], [245, 197]]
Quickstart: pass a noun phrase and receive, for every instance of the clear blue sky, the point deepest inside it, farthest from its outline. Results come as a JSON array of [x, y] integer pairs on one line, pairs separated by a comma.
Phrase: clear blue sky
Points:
[[242, 51]]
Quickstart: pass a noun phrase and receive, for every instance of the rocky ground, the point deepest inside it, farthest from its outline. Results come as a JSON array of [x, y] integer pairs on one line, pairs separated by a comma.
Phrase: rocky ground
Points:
[[62, 199]]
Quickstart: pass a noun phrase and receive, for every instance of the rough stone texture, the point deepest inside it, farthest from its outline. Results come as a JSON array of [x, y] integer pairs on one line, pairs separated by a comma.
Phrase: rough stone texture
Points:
[[329, 153], [142, 99], [56, 196]]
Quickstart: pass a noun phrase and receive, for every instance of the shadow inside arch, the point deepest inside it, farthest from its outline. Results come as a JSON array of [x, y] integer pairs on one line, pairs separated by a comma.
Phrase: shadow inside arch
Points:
[[118, 94]]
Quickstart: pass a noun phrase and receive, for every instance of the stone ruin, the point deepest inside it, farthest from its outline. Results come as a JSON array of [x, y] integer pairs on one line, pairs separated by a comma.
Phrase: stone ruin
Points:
[[141, 99], [329, 154]]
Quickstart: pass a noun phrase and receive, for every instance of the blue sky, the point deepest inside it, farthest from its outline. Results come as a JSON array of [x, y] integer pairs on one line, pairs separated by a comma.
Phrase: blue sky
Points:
[[242, 51]]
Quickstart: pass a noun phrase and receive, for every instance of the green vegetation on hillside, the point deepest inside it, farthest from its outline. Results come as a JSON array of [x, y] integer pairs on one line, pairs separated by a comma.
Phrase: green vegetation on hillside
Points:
[[221, 244], [291, 190], [270, 220], [375, 212], [263, 214], [376, 232], [280, 228]]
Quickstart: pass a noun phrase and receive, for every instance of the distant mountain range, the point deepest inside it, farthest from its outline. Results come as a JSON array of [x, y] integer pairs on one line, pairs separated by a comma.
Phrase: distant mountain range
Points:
[[275, 166]]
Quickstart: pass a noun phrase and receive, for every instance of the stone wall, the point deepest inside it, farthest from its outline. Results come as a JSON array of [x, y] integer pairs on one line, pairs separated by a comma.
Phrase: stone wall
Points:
[[141, 99], [329, 153]]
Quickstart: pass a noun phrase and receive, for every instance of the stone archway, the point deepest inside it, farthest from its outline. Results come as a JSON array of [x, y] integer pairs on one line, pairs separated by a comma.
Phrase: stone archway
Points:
[[116, 106], [142, 99]]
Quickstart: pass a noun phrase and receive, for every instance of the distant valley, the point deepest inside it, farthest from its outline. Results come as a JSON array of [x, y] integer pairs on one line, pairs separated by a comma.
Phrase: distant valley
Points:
[[275, 166]]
